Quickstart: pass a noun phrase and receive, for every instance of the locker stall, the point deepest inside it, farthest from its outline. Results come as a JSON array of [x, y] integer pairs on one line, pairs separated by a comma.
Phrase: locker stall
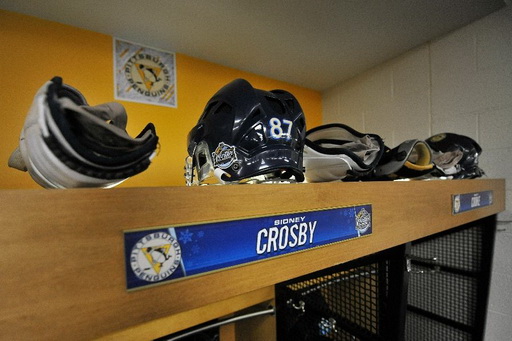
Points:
[[64, 269]]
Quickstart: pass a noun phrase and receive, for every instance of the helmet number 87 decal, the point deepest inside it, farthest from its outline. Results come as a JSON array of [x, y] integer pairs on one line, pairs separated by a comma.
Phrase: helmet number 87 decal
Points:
[[276, 128]]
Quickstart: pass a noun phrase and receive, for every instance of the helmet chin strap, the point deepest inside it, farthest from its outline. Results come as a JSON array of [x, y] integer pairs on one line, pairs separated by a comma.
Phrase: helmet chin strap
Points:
[[189, 171], [223, 178], [221, 175]]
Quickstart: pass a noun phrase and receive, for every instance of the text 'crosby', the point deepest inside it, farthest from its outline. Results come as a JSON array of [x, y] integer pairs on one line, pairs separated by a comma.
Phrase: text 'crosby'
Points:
[[295, 232]]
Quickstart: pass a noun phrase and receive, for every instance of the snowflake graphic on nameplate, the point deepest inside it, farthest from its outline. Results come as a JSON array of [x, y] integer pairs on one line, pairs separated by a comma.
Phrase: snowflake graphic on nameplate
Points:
[[196, 249], [186, 236]]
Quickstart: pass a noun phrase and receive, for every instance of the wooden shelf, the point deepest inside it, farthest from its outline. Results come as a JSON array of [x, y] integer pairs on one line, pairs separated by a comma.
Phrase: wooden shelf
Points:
[[62, 272]]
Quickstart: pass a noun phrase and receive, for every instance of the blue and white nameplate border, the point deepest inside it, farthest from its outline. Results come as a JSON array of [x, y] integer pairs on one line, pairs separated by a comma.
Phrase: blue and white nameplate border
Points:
[[470, 201], [168, 253]]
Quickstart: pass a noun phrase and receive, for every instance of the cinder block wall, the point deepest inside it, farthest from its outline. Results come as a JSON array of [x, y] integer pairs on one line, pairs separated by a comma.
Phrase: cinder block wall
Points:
[[460, 83]]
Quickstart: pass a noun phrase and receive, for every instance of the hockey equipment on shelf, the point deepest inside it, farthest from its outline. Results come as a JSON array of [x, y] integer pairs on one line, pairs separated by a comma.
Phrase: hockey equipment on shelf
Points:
[[338, 152], [247, 135], [455, 156], [409, 160], [65, 143]]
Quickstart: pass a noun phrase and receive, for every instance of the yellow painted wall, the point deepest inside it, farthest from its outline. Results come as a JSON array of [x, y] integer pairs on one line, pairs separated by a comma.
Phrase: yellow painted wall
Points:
[[32, 51]]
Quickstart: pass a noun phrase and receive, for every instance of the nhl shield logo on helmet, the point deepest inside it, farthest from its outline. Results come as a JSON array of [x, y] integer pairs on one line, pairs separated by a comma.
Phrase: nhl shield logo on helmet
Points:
[[224, 156]]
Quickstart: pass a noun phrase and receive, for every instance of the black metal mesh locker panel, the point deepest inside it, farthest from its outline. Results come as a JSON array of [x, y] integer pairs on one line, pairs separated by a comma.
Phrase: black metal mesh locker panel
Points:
[[448, 285], [421, 328], [374, 298], [352, 301]]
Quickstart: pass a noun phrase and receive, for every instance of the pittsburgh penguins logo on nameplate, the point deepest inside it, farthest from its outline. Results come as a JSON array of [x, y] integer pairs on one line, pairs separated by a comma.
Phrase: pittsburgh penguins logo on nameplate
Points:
[[456, 203], [155, 257]]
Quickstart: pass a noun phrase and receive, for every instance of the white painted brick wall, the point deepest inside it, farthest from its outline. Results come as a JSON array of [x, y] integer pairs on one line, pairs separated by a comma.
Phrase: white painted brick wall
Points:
[[460, 83]]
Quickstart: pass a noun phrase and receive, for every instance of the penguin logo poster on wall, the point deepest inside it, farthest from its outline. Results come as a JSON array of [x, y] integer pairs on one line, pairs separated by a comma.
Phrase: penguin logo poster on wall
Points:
[[144, 74]]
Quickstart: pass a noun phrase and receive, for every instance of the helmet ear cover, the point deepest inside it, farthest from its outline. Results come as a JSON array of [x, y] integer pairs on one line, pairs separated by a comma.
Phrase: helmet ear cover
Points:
[[66, 143], [245, 133], [410, 159], [338, 152]]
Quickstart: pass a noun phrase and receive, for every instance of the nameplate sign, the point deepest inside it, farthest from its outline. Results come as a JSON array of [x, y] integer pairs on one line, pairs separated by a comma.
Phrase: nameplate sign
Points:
[[470, 201], [163, 254]]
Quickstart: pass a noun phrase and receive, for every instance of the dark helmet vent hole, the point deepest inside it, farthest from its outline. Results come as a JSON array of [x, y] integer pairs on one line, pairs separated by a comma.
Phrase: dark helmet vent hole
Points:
[[253, 139], [201, 160], [290, 104], [276, 105], [301, 124], [208, 110], [223, 109], [256, 115]]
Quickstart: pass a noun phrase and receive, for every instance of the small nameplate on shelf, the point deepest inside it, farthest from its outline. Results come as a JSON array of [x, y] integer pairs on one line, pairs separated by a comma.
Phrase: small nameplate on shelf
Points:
[[168, 253], [470, 201]]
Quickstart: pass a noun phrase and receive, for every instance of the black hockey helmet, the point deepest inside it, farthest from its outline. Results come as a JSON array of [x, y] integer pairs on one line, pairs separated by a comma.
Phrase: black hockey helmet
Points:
[[456, 155], [246, 132]]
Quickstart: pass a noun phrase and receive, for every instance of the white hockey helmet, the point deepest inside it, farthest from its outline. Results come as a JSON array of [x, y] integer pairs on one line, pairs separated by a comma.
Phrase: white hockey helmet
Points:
[[65, 143], [338, 152]]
